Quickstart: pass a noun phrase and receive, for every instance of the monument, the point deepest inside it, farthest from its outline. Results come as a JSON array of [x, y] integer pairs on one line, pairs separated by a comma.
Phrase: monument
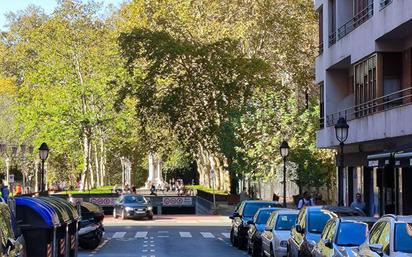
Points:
[[155, 172]]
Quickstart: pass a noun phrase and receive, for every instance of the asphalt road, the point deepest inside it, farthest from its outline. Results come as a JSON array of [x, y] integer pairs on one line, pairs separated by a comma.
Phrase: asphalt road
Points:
[[167, 236]]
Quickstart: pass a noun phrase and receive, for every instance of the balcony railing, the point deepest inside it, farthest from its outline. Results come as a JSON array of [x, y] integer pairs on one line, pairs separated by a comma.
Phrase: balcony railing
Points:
[[385, 3], [387, 102], [350, 25]]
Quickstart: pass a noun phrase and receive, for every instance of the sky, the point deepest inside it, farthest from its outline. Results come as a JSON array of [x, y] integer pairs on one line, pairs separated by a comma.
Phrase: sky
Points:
[[48, 5]]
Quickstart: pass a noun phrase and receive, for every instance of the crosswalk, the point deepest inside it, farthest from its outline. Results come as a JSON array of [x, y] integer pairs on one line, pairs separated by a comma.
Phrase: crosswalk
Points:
[[166, 234]]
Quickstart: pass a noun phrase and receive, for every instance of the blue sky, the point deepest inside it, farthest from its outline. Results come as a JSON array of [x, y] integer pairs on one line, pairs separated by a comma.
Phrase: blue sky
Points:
[[48, 5]]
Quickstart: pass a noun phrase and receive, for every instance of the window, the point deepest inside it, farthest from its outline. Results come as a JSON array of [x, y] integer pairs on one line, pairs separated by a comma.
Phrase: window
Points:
[[320, 15], [351, 234], [322, 105], [263, 216], [285, 221], [250, 209], [403, 237], [365, 86], [317, 221]]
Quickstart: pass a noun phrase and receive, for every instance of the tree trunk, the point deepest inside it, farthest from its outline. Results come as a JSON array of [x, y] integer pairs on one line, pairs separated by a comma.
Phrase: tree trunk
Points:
[[102, 162], [85, 160], [92, 175], [97, 166]]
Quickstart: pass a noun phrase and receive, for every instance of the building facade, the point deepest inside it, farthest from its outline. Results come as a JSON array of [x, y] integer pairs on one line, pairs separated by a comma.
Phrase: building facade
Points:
[[364, 71]]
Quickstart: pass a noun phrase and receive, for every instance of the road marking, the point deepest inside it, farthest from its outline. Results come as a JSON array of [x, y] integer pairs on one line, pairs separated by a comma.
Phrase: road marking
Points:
[[207, 235], [119, 235], [141, 234], [226, 235], [185, 234], [162, 232], [162, 236]]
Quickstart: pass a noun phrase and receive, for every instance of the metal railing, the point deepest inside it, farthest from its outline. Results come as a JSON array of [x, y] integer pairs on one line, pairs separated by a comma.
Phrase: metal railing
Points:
[[351, 24], [387, 102], [384, 3]]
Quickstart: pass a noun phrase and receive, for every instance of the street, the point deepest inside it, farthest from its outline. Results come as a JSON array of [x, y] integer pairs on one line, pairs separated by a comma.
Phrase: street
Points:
[[166, 236]]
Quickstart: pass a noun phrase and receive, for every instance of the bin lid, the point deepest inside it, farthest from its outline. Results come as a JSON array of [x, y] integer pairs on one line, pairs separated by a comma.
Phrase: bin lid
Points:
[[91, 207], [71, 210], [60, 210], [47, 214]]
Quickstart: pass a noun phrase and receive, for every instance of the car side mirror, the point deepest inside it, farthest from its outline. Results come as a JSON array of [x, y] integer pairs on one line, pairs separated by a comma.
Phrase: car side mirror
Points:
[[268, 228], [328, 243], [377, 248], [299, 229], [250, 222]]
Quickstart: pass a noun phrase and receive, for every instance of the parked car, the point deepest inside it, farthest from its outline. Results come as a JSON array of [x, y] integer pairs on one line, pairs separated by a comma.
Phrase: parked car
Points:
[[341, 237], [309, 226], [277, 231], [10, 244], [91, 226], [256, 228], [245, 212], [390, 236], [132, 206]]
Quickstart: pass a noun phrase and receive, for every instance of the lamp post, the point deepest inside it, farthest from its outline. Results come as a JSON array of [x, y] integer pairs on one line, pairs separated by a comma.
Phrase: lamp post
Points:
[[43, 154], [284, 152], [341, 130]]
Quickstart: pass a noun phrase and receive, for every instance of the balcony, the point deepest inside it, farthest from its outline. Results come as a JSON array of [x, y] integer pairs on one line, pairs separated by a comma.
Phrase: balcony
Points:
[[351, 24], [387, 102]]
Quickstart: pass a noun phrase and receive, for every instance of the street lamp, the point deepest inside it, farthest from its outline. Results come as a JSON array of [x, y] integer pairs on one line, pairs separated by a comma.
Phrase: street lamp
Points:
[[284, 152], [43, 154], [341, 131]]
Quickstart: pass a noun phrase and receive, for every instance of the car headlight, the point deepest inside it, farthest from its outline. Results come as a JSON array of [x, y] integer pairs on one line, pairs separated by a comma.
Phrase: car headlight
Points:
[[149, 208], [284, 244], [128, 208]]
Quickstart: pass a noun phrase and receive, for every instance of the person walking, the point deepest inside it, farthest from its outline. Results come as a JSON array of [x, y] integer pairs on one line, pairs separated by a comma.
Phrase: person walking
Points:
[[243, 195], [358, 203], [306, 200], [5, 192]]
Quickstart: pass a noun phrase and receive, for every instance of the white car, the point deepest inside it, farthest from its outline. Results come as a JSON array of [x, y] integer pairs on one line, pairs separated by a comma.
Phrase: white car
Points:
[[277, 231], [391, 236]]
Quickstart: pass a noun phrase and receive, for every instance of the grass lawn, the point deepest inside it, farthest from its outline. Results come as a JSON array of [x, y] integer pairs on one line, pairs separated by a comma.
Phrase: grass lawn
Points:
[[207, 189], [95, 191]]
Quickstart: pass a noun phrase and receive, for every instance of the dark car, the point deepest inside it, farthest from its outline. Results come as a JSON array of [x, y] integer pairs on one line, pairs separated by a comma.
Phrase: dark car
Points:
[[10, 244], [341, 237], [309, 227], [132, 206], [256, 228], [240, 218], [91, 225]]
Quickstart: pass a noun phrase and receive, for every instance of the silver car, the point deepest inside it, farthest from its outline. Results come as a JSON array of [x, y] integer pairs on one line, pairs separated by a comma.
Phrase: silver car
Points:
[[341, 237], [391, 236], [277, 231]]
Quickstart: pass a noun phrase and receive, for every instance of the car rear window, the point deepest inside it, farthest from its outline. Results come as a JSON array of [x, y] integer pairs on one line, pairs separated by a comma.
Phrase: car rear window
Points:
[[285, 221], [251, 208], [403, 237], [351, 234], [317, 221]]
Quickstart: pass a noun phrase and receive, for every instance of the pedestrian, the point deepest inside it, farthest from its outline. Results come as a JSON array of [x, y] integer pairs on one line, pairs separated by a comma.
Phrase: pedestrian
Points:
[[18, 190], [306, 200], [275, 197], [358, 203], [319, 199], [243, 195], [134, 189], [153, 190], [5, 192]]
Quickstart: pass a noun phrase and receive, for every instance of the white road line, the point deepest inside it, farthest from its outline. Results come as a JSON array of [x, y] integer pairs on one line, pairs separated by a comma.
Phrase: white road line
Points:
[[185, 234], [141, 234], [119, 235], [226, 235], [207, 235], [162, 232]]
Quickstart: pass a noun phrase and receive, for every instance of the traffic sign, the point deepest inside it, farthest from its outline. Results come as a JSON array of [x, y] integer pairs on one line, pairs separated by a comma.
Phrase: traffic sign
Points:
[[11, 178]]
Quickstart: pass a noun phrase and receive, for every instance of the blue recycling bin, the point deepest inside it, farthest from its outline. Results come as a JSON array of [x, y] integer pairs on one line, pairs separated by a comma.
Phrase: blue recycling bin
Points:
[[39, 223]]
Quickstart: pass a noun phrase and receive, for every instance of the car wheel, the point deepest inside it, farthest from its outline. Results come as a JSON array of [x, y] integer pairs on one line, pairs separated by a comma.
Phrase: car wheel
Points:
[[123, 215], [233, 239], [114, 213], [255, 251]]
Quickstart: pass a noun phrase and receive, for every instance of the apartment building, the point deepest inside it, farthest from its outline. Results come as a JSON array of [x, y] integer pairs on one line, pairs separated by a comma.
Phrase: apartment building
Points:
[[364, 71]]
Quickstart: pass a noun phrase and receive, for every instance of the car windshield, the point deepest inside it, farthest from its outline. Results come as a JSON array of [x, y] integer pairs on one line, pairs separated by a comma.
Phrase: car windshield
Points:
[[403, 237], [134, 199], [317, 221], [251, 208], [351, 234], [263, 216], [285, 221]]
